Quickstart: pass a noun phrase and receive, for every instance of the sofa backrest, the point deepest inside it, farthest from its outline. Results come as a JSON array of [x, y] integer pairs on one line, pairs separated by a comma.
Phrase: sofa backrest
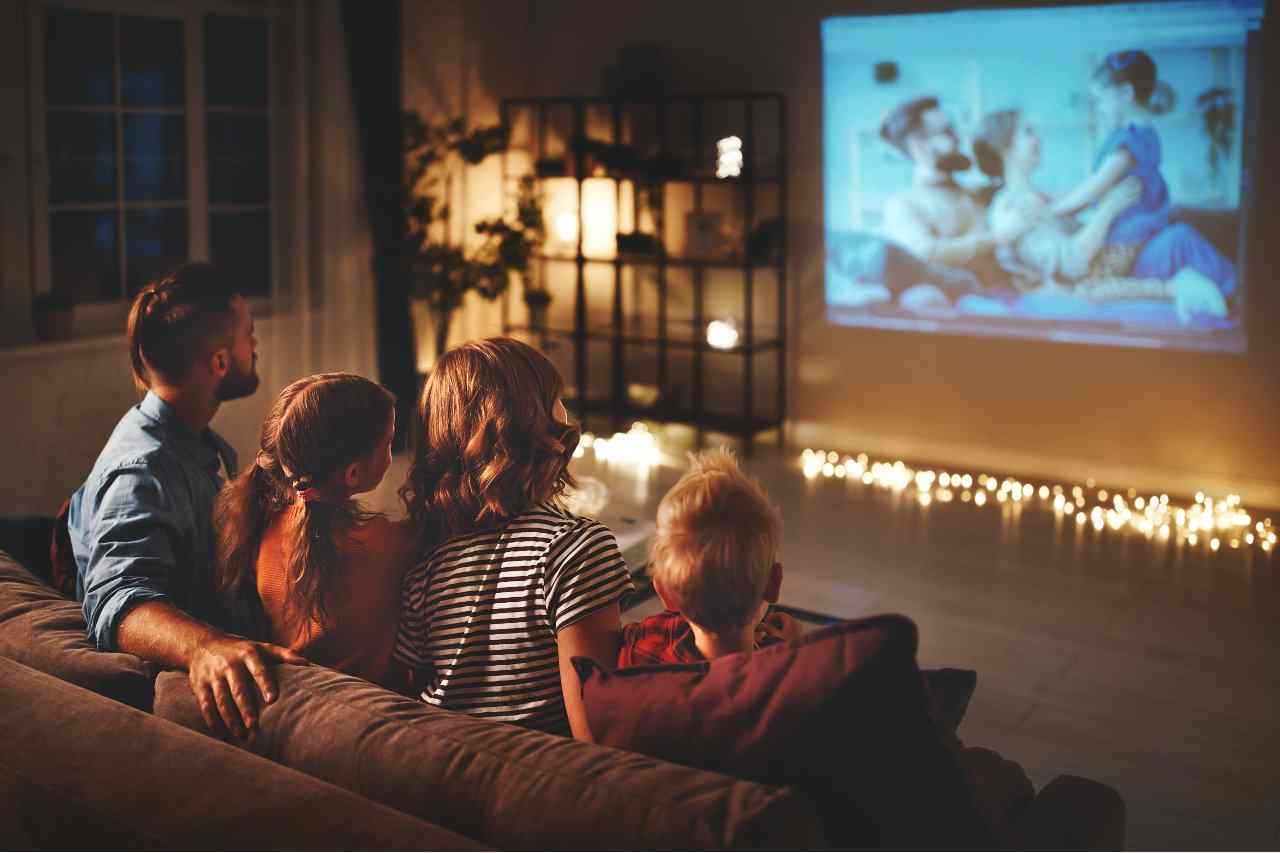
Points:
[[45, 631], [502, 785], [78, 771]]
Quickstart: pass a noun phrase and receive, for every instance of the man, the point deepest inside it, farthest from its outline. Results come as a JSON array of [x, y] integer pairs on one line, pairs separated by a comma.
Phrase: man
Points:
[[141, 525], [935, 218]]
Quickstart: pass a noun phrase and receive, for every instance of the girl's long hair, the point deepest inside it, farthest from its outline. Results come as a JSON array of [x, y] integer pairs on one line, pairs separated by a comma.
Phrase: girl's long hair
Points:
[[317, 427], [488, 447]]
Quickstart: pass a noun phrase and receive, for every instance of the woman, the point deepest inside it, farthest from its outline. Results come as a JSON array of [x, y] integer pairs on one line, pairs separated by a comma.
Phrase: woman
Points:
[[1056, 256], [509, 586]]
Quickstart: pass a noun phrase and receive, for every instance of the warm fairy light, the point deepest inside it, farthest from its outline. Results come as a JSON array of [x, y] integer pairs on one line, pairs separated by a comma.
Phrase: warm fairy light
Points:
[[1224, 521], [636, 446], [729, 157], [722, 334]]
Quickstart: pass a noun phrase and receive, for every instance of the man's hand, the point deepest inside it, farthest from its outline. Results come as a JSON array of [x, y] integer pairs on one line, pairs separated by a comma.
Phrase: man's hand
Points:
[[230, 680]]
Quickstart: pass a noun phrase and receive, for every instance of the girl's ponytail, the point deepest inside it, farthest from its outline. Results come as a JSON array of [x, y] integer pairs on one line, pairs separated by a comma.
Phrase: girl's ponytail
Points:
[[241, 514], [316, 562]]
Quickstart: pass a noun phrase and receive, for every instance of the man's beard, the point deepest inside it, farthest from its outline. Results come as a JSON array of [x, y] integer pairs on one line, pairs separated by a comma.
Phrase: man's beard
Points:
[[238, 383], [953, 162]]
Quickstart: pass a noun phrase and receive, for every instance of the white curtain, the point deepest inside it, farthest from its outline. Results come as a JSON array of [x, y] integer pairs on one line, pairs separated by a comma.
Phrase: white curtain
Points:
[[321, 316]]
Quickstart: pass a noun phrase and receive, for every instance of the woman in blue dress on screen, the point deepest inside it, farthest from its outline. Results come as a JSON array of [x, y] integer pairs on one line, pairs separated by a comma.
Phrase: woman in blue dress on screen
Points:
[[1142, 241]]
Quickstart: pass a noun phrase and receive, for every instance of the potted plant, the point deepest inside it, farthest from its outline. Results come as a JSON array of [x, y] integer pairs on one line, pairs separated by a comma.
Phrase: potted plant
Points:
[[443, 273], [537, 299], [510, 244], [51, 314]]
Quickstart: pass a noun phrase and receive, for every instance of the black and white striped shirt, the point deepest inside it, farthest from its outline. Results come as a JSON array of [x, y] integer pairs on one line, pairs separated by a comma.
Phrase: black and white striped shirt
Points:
[[480, 614]]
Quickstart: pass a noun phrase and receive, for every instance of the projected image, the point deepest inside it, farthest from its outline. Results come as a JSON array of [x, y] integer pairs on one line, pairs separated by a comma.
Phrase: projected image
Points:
[[1070, 174]]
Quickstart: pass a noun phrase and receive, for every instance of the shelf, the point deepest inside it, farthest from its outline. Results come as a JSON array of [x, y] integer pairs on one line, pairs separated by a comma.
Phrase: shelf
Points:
[[608, 336], [633, 260], [641, 177], [715, 422], [672, 145], [644, 100]]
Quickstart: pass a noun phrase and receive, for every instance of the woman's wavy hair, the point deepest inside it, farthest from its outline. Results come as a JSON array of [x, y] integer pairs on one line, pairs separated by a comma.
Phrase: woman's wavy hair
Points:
[[317, 427], [488, 447]]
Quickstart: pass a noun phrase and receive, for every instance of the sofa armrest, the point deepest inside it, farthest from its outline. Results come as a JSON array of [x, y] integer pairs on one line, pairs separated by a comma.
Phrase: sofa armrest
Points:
[[78, 771]]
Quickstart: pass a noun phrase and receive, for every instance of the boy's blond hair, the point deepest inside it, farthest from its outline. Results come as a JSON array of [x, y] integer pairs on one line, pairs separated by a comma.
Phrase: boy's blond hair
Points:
[[716, 542]]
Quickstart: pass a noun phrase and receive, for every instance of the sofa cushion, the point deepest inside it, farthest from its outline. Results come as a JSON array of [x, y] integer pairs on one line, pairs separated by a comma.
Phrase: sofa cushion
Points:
[[79, 772], [43, 630], [841, 714], [502, 785]]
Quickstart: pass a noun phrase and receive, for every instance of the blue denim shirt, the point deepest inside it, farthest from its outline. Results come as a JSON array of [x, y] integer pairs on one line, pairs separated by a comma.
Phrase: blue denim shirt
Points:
[[142, 524]]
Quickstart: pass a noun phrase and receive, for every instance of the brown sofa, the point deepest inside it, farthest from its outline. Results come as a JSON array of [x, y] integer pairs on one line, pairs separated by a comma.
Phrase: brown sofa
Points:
[[376, 769]]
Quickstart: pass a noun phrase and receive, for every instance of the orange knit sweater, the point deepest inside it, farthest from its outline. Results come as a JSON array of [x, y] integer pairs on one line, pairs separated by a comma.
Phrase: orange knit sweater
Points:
[[366, 607]]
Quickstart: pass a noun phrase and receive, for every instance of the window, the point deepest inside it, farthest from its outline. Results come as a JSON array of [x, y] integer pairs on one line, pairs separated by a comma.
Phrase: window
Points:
[[157, 135]]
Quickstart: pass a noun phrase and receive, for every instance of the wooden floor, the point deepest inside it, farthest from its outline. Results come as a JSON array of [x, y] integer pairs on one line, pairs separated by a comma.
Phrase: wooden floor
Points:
[[1099, 654]]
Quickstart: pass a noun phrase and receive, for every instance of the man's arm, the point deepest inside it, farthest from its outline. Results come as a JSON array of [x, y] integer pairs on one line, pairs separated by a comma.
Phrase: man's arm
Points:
[[227, 674], [908, 228], [126, 606]]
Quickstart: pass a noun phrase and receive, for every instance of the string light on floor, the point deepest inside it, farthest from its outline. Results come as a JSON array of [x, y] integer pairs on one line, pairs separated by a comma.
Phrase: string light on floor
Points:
[[637, 446], [1218, 522]]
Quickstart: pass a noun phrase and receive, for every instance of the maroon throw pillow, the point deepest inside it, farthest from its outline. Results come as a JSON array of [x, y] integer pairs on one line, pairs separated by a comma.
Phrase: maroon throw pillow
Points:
[[840, 713]]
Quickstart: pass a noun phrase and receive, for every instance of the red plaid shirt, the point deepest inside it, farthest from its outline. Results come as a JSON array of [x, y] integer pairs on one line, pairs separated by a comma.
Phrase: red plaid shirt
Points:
[[667, 638]]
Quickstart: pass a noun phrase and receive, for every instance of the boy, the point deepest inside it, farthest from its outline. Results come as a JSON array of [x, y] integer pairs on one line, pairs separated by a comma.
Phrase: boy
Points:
[[714, 566]]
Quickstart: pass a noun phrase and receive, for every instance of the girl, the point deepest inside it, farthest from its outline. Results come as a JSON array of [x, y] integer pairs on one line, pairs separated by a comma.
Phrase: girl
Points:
[[1142, 241], [328, 573], [510, 586]]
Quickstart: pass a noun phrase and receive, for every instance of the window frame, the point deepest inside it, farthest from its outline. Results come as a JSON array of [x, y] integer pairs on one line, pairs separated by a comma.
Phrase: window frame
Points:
[[108, 317]]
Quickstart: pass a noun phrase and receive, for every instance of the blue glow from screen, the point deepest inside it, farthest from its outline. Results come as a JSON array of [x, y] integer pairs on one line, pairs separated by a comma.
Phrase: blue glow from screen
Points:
[[1052, 248]]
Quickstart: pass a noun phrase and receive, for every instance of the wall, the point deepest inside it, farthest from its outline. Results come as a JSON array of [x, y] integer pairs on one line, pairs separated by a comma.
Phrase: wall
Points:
[[61, 401], [1157, 420]]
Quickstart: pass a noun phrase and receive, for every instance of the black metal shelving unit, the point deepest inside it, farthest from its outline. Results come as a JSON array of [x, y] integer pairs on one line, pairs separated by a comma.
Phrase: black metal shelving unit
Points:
[[656, 162]]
